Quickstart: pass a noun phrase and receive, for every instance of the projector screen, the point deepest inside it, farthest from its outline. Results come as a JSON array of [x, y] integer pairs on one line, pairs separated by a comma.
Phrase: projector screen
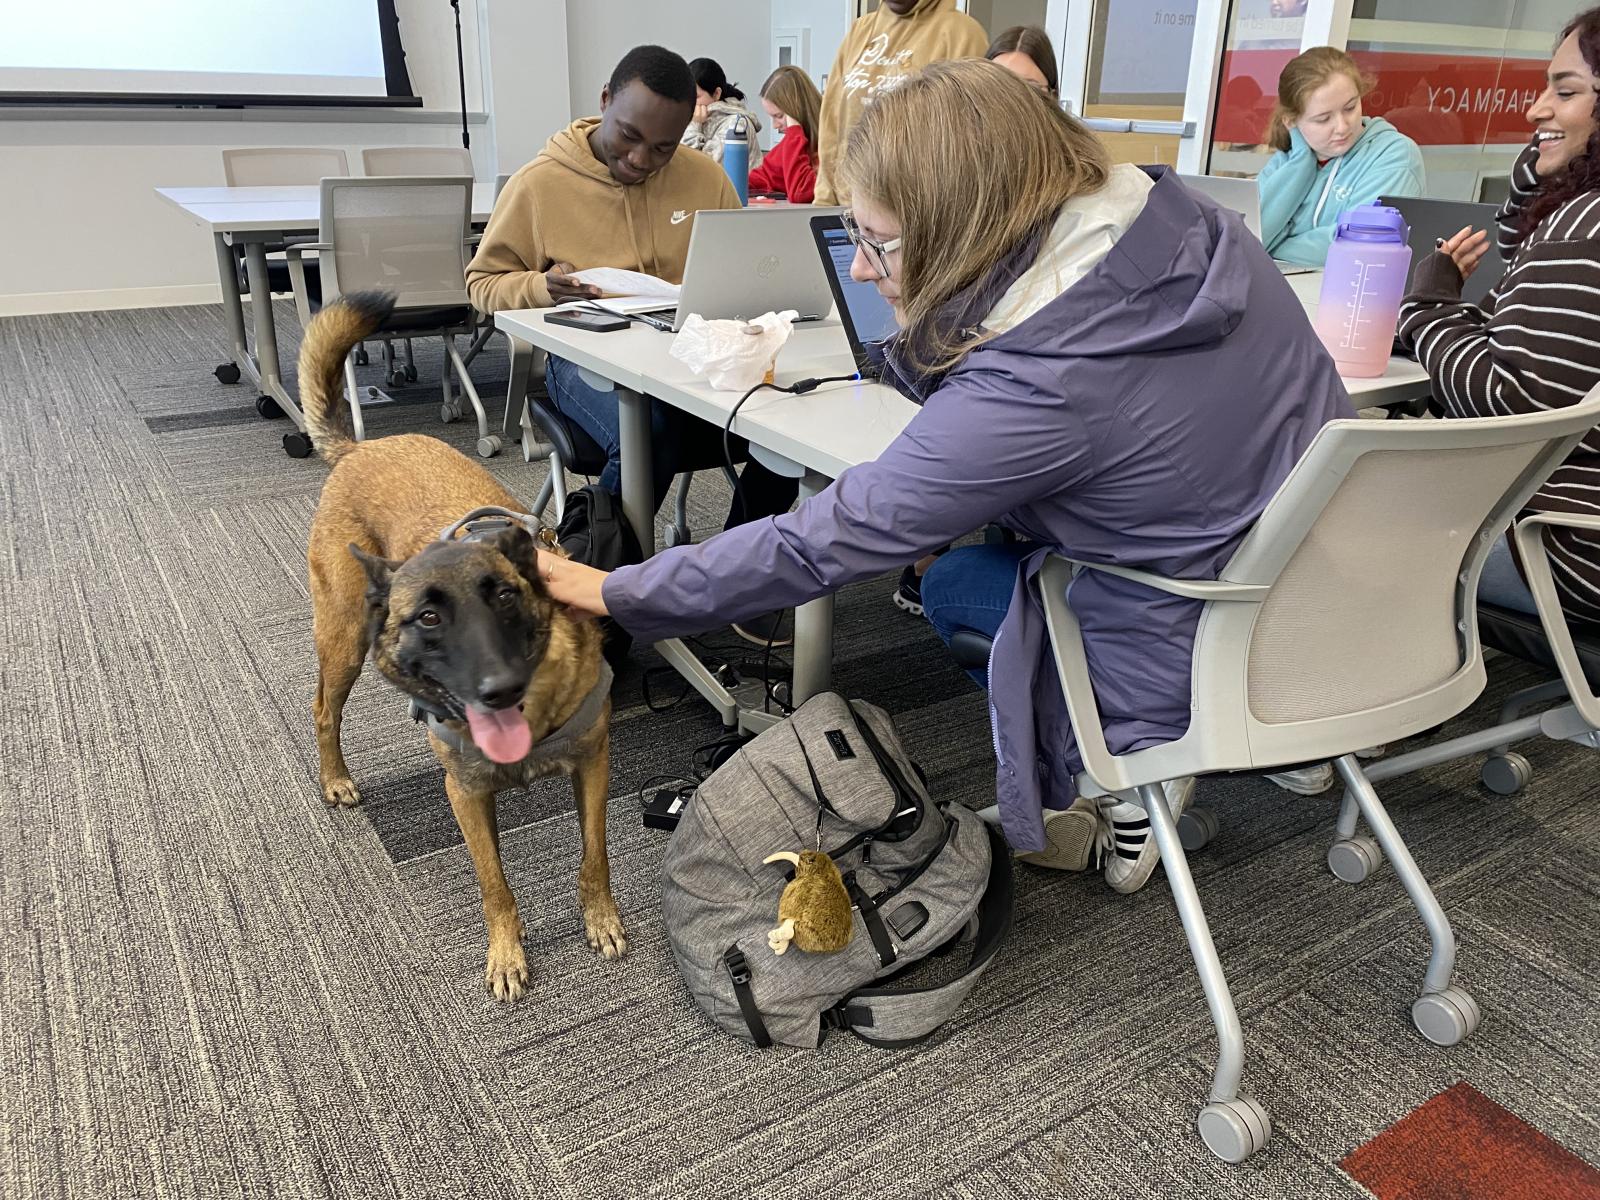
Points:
[[203, 51]]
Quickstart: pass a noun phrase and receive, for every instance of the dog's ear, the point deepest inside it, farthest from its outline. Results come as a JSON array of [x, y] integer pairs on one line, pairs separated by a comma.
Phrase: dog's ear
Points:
[[380, 574], [519, 548]]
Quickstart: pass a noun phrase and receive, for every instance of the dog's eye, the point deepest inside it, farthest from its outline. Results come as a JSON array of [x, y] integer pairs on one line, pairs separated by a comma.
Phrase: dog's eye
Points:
[[429, 619], [506, 597]]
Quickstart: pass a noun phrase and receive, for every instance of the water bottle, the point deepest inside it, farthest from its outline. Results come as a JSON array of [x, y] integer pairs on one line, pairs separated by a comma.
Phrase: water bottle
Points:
[[1362, 285], [736, 159]]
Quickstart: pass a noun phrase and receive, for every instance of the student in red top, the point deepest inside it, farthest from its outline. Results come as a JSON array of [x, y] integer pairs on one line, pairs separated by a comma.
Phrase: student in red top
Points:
[[790, 167]]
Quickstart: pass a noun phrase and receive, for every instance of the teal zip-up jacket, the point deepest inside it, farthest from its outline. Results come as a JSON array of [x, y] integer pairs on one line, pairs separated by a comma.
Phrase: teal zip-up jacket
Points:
[[1301, 203]]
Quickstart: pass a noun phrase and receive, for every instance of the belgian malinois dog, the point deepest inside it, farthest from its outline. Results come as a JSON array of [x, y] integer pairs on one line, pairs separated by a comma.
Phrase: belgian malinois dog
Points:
[[466, 626]]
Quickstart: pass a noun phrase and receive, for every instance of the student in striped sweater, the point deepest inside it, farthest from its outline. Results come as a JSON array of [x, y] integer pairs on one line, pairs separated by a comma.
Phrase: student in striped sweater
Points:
[[1534, 343]]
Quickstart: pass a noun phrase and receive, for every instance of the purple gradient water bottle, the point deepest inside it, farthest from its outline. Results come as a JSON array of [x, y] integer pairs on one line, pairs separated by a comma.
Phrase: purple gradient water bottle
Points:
[[1362, 286]]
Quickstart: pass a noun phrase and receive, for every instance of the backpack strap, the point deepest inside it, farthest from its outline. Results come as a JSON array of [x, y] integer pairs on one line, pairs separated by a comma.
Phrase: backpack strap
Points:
[[739, 975], [891, 1017]]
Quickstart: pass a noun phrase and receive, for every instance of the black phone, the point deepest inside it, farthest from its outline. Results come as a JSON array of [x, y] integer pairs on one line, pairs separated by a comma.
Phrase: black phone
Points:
[[594, 322]]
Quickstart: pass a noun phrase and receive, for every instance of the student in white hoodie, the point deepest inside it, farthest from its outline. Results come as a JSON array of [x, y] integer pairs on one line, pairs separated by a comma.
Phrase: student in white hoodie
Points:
[[717, 105]]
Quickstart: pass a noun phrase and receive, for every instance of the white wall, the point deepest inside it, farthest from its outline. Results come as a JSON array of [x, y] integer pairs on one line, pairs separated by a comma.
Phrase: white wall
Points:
[[737, 33], [827, 21]]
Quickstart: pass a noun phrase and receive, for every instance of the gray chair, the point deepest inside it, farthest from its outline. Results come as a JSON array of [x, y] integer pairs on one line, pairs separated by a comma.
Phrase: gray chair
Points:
[[416, 160], [1346, 618], [409, 237]]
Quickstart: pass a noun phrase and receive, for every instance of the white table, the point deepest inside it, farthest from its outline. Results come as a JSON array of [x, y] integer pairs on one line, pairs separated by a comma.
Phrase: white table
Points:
[[253, 217], [814, 437]]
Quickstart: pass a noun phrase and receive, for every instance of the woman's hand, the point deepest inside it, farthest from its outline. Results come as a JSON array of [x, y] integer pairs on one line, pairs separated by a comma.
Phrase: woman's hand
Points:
[[573, 584], [701, 112], [1466, 249]]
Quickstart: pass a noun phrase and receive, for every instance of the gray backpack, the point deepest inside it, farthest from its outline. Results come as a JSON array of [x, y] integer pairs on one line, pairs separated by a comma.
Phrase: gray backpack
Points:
[[925, 879]]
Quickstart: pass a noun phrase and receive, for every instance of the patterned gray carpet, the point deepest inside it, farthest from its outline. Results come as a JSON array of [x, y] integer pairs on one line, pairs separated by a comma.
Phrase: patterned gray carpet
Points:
[[211, 986]]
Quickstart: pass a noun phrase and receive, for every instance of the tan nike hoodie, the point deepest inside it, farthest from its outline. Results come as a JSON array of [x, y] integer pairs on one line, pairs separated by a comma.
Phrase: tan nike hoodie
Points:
[[877, 55], [565, 206]]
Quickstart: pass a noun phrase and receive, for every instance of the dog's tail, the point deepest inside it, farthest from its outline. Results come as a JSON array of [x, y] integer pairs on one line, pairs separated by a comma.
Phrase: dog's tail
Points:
[[331, 336]]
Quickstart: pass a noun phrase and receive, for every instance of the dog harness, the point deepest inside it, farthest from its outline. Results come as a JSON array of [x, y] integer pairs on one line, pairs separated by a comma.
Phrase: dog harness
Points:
[[479, 525]]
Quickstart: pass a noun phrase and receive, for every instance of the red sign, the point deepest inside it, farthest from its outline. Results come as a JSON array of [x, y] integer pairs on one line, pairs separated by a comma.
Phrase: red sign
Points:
[[1434, 99]]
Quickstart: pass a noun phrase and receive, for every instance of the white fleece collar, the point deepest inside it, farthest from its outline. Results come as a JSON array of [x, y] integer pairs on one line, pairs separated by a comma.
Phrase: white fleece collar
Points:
[[1083, 234]]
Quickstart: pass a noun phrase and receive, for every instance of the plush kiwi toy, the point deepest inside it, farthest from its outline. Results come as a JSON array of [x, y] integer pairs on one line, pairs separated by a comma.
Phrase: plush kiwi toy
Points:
[[814, 910]]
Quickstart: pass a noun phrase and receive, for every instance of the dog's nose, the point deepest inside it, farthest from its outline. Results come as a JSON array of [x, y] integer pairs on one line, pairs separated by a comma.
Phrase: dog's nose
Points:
[[501, 691]]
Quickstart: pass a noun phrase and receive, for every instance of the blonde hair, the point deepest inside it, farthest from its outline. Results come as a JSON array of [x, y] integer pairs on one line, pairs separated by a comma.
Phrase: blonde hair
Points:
[[973, 166], [1304, 75], [791, 92]]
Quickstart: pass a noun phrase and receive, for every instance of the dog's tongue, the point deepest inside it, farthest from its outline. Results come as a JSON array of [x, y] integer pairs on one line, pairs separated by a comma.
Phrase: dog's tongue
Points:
[[502, 734]]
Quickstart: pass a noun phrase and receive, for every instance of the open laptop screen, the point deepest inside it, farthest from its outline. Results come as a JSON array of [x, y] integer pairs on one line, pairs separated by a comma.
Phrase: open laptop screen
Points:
[[867, 316]]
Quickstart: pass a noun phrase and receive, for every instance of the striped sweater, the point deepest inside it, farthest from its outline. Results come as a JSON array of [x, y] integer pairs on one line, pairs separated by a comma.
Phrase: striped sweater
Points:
[[1533, 344]]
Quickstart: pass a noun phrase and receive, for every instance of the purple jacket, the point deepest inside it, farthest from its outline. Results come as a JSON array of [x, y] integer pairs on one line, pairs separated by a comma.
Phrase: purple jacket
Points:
[[1144, 417]]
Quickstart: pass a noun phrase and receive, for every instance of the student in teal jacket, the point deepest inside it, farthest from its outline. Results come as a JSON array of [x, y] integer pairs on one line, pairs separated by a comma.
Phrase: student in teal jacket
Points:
[[1330, 158]]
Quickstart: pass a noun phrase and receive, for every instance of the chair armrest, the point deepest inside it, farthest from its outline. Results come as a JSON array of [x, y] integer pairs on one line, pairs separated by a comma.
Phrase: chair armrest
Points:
[[1072, 668], [1541, 582], [1189, 589], [474, 239], [299, 248], [297, 277]]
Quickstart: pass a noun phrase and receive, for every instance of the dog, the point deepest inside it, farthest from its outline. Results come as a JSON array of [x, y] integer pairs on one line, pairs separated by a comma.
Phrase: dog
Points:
[[466, 627]]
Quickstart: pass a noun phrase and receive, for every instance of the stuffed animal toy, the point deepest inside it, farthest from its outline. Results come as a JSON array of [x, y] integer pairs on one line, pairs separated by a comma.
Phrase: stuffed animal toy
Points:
[[814, 910]]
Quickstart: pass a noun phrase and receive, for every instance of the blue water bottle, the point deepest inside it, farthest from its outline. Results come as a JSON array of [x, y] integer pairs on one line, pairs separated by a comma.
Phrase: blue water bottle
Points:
[[736, 159]]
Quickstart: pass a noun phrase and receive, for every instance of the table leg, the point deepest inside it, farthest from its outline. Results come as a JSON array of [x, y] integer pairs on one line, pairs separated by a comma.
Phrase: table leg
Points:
[[813, 626], [522, 359], [233, 308], [255, 261]]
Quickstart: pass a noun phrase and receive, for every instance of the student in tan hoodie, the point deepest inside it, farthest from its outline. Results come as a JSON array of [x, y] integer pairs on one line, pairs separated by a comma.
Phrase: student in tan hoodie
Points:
[[613, 191], [880, 51]]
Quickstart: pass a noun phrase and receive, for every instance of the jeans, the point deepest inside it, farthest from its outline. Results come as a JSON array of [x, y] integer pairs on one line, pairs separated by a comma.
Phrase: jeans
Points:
[[678, 442], [970, 589], [1500, 582]]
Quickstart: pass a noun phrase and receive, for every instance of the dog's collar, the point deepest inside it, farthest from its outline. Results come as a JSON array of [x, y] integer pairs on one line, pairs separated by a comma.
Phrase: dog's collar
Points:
[[559, 744]]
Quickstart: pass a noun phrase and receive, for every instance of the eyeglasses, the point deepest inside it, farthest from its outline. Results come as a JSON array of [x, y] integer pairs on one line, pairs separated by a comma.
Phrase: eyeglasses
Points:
[[877, 252]]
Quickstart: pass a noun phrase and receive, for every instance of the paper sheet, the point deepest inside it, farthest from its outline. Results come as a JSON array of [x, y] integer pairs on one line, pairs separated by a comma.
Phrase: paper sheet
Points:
[[613, 281]]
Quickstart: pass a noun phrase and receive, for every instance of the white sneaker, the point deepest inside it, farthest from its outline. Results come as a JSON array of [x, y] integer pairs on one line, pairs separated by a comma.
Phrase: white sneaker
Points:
[[1307, 781], [1069, 836], [1130, 853]]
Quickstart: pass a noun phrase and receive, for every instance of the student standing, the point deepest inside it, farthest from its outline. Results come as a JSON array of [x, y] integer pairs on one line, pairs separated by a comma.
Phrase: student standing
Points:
[[879, 53], [1074, 333], [790, 168], [1329, 157]]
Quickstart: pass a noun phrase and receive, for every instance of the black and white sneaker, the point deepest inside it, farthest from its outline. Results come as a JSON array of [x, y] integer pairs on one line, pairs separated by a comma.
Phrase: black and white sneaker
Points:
[[907, 595], [1125, 846]]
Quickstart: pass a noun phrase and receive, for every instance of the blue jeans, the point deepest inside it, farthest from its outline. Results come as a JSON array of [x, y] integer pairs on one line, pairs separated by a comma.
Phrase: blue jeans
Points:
[[1501, 583], [678, 442], [970, 589]]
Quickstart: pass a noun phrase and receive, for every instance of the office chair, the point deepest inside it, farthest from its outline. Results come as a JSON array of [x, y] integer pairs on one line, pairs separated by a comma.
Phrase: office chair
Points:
[[1346, 618], [416, 160], [407, 236]]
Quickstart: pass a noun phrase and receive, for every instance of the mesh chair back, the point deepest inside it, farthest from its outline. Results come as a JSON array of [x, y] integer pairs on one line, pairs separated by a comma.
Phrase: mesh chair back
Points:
[[417, 160], [1372, 549], [402, 235], [282, 166]]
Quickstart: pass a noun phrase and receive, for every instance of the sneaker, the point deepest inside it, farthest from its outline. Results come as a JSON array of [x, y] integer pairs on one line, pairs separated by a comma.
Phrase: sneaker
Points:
[[1372, 751], [907, 596], [1069, 836], [1129, 852], [1307, 781], [769, 629]]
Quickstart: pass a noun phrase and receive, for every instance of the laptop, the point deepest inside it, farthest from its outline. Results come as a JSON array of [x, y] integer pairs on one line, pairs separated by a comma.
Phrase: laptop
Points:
[[868, 318], [1434, 219], [1240, 196], [744, 262]]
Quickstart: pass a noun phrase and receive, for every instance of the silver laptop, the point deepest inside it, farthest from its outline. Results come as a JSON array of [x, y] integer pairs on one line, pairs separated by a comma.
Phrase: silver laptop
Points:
[[747, 261], [1240, 196]]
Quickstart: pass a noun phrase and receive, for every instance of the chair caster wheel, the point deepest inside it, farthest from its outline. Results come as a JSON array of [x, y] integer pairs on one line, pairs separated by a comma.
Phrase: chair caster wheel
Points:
[[227, 373], [361, 357], [1352, 859], [1235, 1129], [489, 446], [1446, 1017], [268, 408], [396, 378], [1506, 774], [1196, 828], [449, 413], [780, 694], [297, 445], [676, 535], [411, 374]]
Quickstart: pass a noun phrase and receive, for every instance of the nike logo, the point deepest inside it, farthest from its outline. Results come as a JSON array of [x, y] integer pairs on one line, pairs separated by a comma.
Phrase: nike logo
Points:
[[679, 217]]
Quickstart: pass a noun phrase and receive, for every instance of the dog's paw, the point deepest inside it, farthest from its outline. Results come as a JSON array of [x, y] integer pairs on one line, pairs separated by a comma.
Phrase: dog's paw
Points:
[[341, 793], [602, 927], [506, 976]]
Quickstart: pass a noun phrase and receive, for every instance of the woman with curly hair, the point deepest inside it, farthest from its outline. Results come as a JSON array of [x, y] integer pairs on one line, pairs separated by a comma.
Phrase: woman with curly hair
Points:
[[1534, 342]]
